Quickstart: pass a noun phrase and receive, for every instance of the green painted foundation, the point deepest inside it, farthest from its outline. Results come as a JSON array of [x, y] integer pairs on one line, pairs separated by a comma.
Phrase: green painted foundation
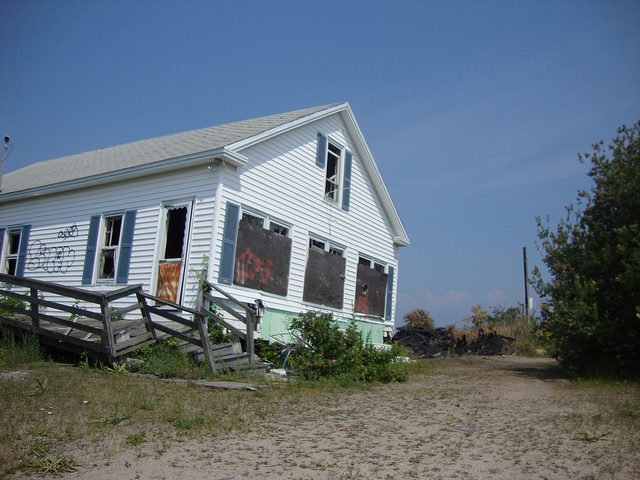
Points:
[[275, 323]]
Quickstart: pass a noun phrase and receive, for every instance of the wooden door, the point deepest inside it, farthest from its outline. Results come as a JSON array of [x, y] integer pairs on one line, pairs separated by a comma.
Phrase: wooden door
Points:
[[173, 251]]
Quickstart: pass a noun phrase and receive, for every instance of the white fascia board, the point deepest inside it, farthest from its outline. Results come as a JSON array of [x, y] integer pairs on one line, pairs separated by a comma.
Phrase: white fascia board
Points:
[[202, 158], [401, 238], [261, 137]]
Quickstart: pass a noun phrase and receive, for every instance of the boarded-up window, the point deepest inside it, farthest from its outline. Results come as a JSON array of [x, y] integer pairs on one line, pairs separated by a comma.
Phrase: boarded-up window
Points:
[[371, 288], [324, 278], [262, 258]]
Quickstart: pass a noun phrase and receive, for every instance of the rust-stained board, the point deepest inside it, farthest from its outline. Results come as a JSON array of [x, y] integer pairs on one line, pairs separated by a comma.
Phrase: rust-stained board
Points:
[[324, 279], [168, 280], [262, 259], [371, 289]]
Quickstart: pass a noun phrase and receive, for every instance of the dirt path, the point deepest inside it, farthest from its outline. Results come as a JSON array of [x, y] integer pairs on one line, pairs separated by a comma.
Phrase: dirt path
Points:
[[476, 418]]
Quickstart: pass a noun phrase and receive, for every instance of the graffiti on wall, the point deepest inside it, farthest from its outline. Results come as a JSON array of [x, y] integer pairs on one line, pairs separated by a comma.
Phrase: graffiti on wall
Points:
[[55, 259], [50, 259], [69, 232]]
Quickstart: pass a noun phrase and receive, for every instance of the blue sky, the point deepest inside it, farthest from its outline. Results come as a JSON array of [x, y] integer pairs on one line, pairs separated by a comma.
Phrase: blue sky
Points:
[[474, 111]]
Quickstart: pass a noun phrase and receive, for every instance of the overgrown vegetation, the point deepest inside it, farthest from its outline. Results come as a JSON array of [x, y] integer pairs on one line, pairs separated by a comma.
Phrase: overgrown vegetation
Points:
[[328, 352], [18, 349], [591, 321], [420, 318], [165, 359]]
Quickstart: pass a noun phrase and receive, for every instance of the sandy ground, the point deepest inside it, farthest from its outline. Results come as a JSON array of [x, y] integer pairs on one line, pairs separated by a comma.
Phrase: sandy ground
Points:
[[476, 418]]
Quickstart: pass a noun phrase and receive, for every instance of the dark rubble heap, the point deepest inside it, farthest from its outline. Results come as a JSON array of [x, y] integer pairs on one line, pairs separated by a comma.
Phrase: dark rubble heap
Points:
[[429, 343]]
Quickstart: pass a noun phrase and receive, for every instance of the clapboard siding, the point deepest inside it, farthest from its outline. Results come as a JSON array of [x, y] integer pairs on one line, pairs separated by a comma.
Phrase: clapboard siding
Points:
[[280, 179], [283, 181], [55, 213]]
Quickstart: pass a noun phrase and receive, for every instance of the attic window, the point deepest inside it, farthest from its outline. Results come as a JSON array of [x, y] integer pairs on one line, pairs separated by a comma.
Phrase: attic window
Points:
[[332, 184]]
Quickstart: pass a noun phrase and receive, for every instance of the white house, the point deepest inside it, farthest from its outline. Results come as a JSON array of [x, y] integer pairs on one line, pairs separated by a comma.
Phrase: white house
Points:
[[289, 209]]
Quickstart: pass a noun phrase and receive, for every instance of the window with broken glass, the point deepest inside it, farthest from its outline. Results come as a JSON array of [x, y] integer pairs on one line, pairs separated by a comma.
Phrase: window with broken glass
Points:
[[332, 184], [11, 253], [263, 254], [109, 248], [371, 288], [324, 274]]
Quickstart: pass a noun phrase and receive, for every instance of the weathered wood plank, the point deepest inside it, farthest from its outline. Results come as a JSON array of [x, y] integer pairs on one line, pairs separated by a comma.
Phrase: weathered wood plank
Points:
[[121, 347], [168, 303], [55, 335], [177, 334], [126, 325], [225, 307], [52, 288], [122, 292], [124, 310], [51, 304], [171, 316], [234, 330], [137, 346]]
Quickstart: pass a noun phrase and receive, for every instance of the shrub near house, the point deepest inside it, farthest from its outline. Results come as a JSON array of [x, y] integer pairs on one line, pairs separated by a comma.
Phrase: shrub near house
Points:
[[326, 351]]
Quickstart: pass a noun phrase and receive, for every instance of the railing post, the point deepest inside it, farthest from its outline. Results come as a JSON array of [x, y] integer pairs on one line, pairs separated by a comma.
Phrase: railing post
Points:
[[108, 331], [146, 315], [35, 320], [201, 321], [249, 337]]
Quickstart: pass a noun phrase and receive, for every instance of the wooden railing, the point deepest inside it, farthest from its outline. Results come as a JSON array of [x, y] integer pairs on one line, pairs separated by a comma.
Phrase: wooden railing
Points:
[[249, 319], [99, 326], [196, 323], [100, 322]]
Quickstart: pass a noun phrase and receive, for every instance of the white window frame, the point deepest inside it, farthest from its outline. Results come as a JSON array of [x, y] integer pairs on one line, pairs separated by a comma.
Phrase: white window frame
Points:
[[268, 222], [374, 264], [102, 247], [326, 246], [8, 256], [333, 194]]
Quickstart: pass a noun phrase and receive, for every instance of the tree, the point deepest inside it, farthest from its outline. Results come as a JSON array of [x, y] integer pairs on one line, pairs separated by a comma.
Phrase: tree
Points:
[[420, 318], [591, 321], [479, 317]]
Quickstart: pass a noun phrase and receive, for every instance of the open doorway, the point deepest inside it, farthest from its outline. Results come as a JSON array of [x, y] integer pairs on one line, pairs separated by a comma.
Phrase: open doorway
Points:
[[173, 251]]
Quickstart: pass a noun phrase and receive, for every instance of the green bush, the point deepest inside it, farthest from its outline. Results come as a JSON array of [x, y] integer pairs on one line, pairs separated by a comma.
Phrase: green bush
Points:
[[12, 302], [326, 352], [165, 359], [591, 316]]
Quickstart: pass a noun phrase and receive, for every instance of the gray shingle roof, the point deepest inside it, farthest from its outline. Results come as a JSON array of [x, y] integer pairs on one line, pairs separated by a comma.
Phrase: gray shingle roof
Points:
[[143, 152]]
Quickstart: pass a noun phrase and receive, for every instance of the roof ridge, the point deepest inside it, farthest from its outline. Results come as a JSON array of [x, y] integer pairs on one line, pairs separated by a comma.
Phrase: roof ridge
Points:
[[176, 134]]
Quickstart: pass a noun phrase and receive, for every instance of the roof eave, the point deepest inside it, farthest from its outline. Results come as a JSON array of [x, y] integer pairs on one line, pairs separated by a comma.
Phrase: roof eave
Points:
[[223, 154], [400, 238]]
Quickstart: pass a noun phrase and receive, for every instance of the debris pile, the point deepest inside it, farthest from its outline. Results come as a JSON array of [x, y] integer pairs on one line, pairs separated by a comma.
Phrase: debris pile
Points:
[[431, 343]]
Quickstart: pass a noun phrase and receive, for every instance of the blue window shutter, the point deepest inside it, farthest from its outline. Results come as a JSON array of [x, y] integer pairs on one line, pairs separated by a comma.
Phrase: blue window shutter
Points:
[[229, 236], [126, 244], [321, 152], [346, 184], [387, 315], [90, 252], [22, 253]]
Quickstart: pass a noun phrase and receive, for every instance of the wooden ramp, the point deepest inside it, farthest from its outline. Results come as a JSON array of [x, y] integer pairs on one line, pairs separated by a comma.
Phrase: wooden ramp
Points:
[[80, 320]]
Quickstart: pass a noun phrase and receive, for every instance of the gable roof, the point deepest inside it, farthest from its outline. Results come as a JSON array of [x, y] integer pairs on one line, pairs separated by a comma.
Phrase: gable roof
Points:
[[186, 148]]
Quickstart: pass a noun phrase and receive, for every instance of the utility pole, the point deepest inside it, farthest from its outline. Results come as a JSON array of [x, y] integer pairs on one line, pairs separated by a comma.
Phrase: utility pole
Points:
[[4, 157], [526, 285]]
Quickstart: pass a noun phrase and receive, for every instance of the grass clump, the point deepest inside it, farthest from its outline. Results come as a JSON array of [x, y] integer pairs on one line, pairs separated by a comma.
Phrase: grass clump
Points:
[[328, 352], [18, 348], [165, 359]]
